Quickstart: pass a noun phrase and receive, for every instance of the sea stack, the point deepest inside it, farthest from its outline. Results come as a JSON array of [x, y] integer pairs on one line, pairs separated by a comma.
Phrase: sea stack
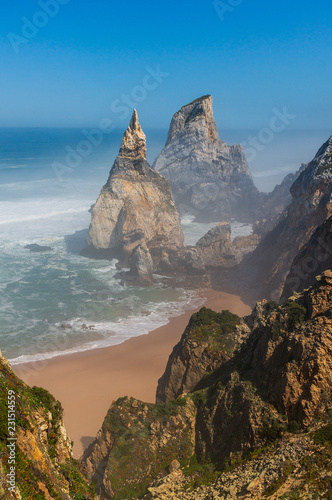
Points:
[[209, 178], [135, 214]]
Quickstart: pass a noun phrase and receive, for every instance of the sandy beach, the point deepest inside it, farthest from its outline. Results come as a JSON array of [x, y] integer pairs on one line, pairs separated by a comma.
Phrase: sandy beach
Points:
[[87, 383]]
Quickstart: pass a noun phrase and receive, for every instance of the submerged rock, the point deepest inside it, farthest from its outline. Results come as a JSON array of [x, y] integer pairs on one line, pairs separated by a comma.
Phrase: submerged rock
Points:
[[33, 247]]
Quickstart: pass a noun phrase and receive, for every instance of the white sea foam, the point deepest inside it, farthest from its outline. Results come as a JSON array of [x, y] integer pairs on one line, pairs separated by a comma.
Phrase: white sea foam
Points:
[[114, 333]]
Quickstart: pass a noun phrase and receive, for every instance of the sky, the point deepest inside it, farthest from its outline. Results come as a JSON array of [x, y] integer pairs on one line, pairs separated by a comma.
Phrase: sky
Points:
[[75, 63]]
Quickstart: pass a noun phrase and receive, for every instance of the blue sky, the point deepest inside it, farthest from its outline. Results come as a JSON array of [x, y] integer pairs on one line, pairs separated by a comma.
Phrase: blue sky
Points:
[[90, 56]]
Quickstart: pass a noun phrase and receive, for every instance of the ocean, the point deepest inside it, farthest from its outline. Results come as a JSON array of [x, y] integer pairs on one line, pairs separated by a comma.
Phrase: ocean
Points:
[[59, 302]]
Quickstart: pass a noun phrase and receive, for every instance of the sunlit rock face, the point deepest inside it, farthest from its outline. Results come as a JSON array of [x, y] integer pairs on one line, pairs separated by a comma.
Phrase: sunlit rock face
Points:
[[136, 206], [209, 178]]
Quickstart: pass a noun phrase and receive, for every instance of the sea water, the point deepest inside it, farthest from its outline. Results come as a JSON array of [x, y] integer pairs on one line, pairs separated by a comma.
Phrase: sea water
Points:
[[59, 302]]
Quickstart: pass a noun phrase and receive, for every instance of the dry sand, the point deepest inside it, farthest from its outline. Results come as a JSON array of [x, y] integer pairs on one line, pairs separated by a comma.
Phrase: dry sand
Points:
[[87, 383]]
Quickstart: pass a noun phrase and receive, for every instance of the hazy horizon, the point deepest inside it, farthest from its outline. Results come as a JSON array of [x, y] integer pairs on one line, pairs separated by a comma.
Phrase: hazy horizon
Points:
[[68, 64]]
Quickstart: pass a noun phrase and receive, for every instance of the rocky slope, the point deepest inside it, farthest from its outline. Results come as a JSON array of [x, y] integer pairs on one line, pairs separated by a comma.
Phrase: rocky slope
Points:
[[313, 259], [209, 178], [135, 211], [44, 467], [242, 413], [311, 206], [208, 341], [273, 204]]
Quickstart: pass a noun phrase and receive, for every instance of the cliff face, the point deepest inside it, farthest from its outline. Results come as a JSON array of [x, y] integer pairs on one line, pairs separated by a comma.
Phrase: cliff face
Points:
[[209, 179], [208, 341], [135, 207], [240, 390], [44, 467], [273, 204], [313, 259], [311, 206], [136, 443]]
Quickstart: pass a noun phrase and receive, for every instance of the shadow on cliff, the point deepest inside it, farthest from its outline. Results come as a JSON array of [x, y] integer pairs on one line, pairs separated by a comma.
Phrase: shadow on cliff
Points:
[[76, 242], [86, 441]]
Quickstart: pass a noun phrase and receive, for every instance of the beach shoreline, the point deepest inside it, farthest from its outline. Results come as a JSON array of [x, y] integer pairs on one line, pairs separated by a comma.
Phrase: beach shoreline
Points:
[[87, 382]]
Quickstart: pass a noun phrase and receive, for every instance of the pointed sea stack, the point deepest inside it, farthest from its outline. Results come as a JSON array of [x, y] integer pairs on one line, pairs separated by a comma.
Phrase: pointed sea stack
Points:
[[209, 178], [135, 208]]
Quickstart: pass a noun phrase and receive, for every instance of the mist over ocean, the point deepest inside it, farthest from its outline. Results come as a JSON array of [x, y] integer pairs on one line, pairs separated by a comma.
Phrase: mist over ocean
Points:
[[59, 302]]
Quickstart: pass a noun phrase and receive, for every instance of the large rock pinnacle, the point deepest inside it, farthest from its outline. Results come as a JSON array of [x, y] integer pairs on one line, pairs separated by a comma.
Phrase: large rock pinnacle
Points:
[[209, 179], [135, 209], [133, 144]]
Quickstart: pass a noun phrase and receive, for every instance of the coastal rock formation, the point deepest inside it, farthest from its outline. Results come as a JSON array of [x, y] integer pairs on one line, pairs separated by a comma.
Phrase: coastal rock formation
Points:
[[273, 204], [44, 467], [137, 442], [282, 470], [278, 381], [209, 340], [217, 249], [135, 207], [209, 178], [311, 206], [141, 266], [313, 259]]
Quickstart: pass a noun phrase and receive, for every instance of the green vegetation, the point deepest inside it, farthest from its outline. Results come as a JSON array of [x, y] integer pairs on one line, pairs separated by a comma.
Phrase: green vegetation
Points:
[[317, 472], [199, 398], [277, 483], [34, 470], [293, 427], [216, 328], [79, 489], [324, 168], [271, 306], [296, 314], [272, 431], [200, 473], [139, 430], [324, 435]]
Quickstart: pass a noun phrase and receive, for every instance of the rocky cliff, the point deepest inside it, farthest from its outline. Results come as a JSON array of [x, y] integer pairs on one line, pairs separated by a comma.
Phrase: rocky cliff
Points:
[[209, 178], [313, 258], [208, 341], [311, 206], [273, 204], [264, 409], [135, 209], [41, 456]]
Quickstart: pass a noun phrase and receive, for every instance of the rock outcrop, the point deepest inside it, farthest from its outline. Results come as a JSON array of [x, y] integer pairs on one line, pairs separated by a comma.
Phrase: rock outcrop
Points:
[[311, 206], [209, 178], [41, 453], [272, 381], [135, 207], [209, 340], [136, 443], [313, 258], [217, 249], [273, 204]]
